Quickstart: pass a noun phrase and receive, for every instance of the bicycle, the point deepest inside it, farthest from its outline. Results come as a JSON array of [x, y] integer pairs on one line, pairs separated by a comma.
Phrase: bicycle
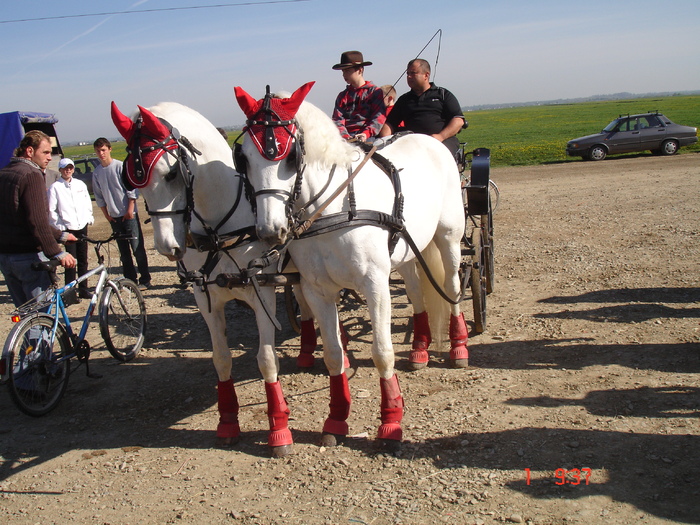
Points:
[[37, 352]]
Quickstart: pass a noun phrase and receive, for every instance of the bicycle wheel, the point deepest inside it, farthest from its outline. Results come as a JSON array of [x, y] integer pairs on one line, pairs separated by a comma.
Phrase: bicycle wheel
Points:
[[39, 368], [123, 319]]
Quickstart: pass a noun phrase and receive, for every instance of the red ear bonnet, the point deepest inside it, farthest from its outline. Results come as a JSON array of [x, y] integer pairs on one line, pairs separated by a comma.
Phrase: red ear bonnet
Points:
[[146, 145], [282, 109], [124, 124]]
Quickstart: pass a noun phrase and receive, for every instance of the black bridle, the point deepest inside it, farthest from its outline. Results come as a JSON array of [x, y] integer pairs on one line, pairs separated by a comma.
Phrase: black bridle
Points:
[[270, 120], [178, 147]]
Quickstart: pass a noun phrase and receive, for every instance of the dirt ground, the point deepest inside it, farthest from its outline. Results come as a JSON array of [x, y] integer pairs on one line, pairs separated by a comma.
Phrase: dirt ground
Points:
[[590, 360]]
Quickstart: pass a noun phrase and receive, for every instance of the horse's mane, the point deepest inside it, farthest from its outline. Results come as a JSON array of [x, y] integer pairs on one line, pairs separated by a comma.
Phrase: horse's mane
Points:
[[322, 141]]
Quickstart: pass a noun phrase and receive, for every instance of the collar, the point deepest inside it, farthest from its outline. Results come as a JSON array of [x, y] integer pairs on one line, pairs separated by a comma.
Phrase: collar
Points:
[[27, 161]]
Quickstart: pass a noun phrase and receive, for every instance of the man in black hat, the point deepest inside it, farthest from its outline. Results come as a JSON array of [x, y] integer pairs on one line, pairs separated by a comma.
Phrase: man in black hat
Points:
[[426, 109], [359, 110]]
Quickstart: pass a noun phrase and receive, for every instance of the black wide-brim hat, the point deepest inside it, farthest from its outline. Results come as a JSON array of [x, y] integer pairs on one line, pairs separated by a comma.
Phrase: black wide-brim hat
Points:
[[351, 59]]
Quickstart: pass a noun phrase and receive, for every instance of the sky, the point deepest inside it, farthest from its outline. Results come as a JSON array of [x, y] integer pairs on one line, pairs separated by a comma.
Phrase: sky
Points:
[[485, 52]]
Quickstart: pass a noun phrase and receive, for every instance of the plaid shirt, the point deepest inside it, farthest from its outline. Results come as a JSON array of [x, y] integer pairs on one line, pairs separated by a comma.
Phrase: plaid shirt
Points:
[[360, 110]]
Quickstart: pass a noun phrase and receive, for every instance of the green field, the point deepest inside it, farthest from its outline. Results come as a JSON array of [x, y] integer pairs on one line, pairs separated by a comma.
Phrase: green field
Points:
[[537, 134]]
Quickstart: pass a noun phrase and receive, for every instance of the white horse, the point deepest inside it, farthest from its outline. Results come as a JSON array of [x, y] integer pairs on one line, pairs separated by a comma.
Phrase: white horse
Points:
[[295, 160], [184, 169]]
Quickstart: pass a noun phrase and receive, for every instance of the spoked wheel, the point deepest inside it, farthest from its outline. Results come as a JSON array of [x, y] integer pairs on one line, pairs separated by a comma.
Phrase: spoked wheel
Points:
[[39, 369], [478, 282], [123, 319], [292, 307], [487, 246]]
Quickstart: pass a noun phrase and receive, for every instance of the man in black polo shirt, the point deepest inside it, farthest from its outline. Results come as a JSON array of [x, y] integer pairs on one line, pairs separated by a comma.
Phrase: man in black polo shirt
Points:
[[426, 109]]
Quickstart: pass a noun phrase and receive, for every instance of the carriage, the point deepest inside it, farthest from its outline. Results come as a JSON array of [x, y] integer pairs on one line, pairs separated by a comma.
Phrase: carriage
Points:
[[187, 176]]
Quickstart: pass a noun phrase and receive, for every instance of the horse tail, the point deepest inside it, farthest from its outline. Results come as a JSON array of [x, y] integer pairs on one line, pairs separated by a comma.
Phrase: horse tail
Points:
[[438, 309]]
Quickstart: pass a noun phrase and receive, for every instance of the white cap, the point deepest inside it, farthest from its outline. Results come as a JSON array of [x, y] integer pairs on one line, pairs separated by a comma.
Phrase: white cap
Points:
[[65, 162]]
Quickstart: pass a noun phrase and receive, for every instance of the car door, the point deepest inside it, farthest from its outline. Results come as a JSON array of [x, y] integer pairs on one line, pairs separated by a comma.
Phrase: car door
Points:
[[651, 133], [626, 136]]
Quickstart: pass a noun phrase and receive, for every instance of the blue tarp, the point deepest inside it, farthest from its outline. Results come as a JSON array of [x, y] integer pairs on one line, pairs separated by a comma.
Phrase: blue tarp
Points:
[[12, 130]]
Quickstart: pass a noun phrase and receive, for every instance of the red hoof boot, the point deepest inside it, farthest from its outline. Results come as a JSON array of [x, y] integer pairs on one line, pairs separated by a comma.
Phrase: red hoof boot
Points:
[[305, 360], [459, 355], [418, 359], [421, 341]]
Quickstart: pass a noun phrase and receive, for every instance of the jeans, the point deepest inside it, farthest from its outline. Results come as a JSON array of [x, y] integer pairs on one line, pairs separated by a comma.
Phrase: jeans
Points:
[[136, 244], [22, 282]]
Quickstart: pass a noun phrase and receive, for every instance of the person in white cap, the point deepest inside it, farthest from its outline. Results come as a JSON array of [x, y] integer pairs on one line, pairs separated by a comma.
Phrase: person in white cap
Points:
[[70, 209]]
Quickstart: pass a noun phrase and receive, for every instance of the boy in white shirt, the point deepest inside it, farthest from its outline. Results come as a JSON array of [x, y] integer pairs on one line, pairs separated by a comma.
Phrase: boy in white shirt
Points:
[[70, 209]]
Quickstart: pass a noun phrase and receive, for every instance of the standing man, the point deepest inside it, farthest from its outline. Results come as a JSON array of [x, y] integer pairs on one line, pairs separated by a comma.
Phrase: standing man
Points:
[[26, 235], [70, 209], [426, 109], [359, 110], [119, 207]]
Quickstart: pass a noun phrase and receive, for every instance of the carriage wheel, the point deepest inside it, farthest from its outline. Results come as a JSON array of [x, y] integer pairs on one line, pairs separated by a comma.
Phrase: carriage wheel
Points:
[[487, 246], [478, 283], [293, 310]]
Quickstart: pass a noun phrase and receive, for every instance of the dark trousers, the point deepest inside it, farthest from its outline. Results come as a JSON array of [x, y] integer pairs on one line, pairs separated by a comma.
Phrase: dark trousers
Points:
[[135, 244], [79, 250]]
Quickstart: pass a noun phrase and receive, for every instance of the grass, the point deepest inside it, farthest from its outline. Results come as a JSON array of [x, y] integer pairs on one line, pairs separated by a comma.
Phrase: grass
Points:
[[533, 135], [538, 134]]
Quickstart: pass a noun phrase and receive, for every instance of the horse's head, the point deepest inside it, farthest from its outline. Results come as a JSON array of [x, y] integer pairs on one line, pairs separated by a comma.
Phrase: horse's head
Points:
[[273, 153], [158, 165]]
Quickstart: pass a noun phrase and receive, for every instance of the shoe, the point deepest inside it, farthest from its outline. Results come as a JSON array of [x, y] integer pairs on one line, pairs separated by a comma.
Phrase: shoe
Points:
[[144, 286], [84, 294]]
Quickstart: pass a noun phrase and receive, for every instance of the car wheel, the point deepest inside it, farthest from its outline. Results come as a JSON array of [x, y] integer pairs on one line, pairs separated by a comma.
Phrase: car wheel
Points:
[[597, 153], [669, 147]]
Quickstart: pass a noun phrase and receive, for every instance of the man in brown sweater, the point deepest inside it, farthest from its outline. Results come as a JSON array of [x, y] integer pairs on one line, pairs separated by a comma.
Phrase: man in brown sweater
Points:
[[25, 233]]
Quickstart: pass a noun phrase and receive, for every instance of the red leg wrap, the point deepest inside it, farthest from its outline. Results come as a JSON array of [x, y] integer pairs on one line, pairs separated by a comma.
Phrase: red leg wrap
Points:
[[278, 414], [228, 411], [391, 409], [308, 344], [458, 338], [421, 338], [339, 406]]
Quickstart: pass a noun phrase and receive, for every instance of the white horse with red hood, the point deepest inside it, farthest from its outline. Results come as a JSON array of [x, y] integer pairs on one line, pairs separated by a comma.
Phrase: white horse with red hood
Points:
[[351, 235], [184, 169]]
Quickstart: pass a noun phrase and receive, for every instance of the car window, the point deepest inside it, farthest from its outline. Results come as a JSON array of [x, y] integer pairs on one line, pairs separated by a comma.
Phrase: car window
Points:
[[623, 125], [612, 126], [651, 121]]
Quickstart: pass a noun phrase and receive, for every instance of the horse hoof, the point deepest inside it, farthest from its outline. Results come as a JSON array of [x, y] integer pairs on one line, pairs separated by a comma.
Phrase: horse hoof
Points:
[[416, 366], [392, 446], [331, 440], [460, 363], [227, 442], [282, 451]]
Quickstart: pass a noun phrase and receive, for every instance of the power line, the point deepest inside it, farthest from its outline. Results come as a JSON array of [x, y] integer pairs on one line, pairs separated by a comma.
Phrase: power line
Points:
[[216, 6]]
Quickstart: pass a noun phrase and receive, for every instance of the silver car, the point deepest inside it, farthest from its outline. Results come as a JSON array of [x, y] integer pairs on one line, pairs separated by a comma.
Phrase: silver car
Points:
[[631, 133]]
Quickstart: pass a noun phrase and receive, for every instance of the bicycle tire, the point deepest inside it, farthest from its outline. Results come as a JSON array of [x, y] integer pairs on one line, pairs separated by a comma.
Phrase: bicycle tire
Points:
[[123, 319], [39, 370]]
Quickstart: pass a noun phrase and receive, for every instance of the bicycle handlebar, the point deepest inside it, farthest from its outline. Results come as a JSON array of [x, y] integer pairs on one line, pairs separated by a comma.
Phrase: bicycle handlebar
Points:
[[45, 266], [113, 237]]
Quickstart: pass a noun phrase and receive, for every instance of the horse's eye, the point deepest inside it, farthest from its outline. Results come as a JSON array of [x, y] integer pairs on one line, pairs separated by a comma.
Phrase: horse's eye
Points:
[[171, 174], [291, 159]]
